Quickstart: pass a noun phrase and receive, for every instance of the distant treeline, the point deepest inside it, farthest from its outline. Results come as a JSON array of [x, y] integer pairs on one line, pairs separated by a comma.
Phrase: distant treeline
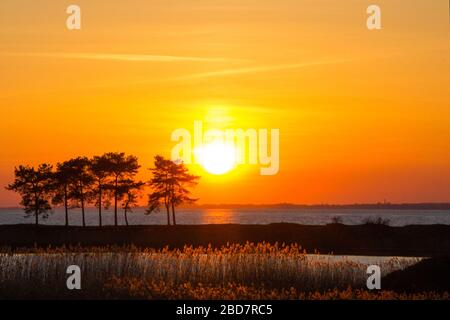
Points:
[[363, 206], [102, 181]]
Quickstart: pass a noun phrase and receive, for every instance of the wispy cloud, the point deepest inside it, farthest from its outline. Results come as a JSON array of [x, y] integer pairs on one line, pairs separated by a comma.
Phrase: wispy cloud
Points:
[[260, 69], [118, 57]]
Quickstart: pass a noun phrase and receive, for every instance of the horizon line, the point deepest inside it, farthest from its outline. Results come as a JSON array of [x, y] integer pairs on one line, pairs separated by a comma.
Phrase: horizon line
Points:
[[433, 203]]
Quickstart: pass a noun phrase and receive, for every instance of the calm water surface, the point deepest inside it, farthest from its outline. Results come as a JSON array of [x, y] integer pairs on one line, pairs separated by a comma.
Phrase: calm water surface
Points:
[[240, 216]]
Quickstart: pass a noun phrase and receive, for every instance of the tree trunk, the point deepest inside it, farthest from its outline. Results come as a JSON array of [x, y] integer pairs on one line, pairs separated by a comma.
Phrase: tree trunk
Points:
[[36, 209], [173, 215], [166, 202], [115, 203], [100, 205], [82, 206], [126, 217], [168, 214], [66, 206]]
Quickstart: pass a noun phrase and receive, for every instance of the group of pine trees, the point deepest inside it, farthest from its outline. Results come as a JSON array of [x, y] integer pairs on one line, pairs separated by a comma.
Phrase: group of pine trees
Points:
[[102, 181]]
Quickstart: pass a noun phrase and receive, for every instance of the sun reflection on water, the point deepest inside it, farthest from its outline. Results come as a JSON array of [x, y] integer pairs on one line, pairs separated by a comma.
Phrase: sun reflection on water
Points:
[[215, 216]]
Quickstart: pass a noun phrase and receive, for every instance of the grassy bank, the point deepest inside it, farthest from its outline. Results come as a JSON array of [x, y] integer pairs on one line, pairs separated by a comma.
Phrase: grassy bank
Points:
[[369, 239]]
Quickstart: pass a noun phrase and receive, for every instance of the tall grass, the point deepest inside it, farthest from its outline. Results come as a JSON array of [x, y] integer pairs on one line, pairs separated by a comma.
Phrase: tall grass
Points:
[[127, 288], [270, 268]]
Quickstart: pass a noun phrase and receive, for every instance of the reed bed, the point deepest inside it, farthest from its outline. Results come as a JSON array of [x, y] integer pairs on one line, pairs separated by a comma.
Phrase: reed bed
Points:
[[129, 288], [271, 269]]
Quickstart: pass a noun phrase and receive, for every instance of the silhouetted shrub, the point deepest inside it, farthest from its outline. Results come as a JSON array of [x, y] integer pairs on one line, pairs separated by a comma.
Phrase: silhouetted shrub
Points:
[[336, 220], [379, 221]]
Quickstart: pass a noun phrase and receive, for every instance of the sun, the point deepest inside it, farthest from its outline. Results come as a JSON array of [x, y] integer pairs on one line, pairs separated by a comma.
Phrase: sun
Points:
[[217, 157]]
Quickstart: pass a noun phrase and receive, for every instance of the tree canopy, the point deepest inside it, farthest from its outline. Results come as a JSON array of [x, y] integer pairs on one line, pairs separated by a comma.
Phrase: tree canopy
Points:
[[34, 186], [100, 181], [170, 185]]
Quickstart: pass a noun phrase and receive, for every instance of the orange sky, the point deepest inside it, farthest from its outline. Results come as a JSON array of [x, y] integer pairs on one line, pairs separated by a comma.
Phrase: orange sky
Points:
[[364, 116]]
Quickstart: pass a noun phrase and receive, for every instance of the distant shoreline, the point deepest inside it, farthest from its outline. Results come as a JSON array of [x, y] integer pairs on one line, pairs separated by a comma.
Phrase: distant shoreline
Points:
[[363, 206], [372, 206]]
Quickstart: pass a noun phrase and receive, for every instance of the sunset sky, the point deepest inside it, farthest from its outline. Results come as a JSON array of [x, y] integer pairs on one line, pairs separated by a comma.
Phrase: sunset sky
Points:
[[364, 116]]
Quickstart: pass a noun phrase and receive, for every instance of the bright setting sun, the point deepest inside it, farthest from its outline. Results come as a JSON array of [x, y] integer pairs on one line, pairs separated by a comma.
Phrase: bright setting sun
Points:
[[217, 157]]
